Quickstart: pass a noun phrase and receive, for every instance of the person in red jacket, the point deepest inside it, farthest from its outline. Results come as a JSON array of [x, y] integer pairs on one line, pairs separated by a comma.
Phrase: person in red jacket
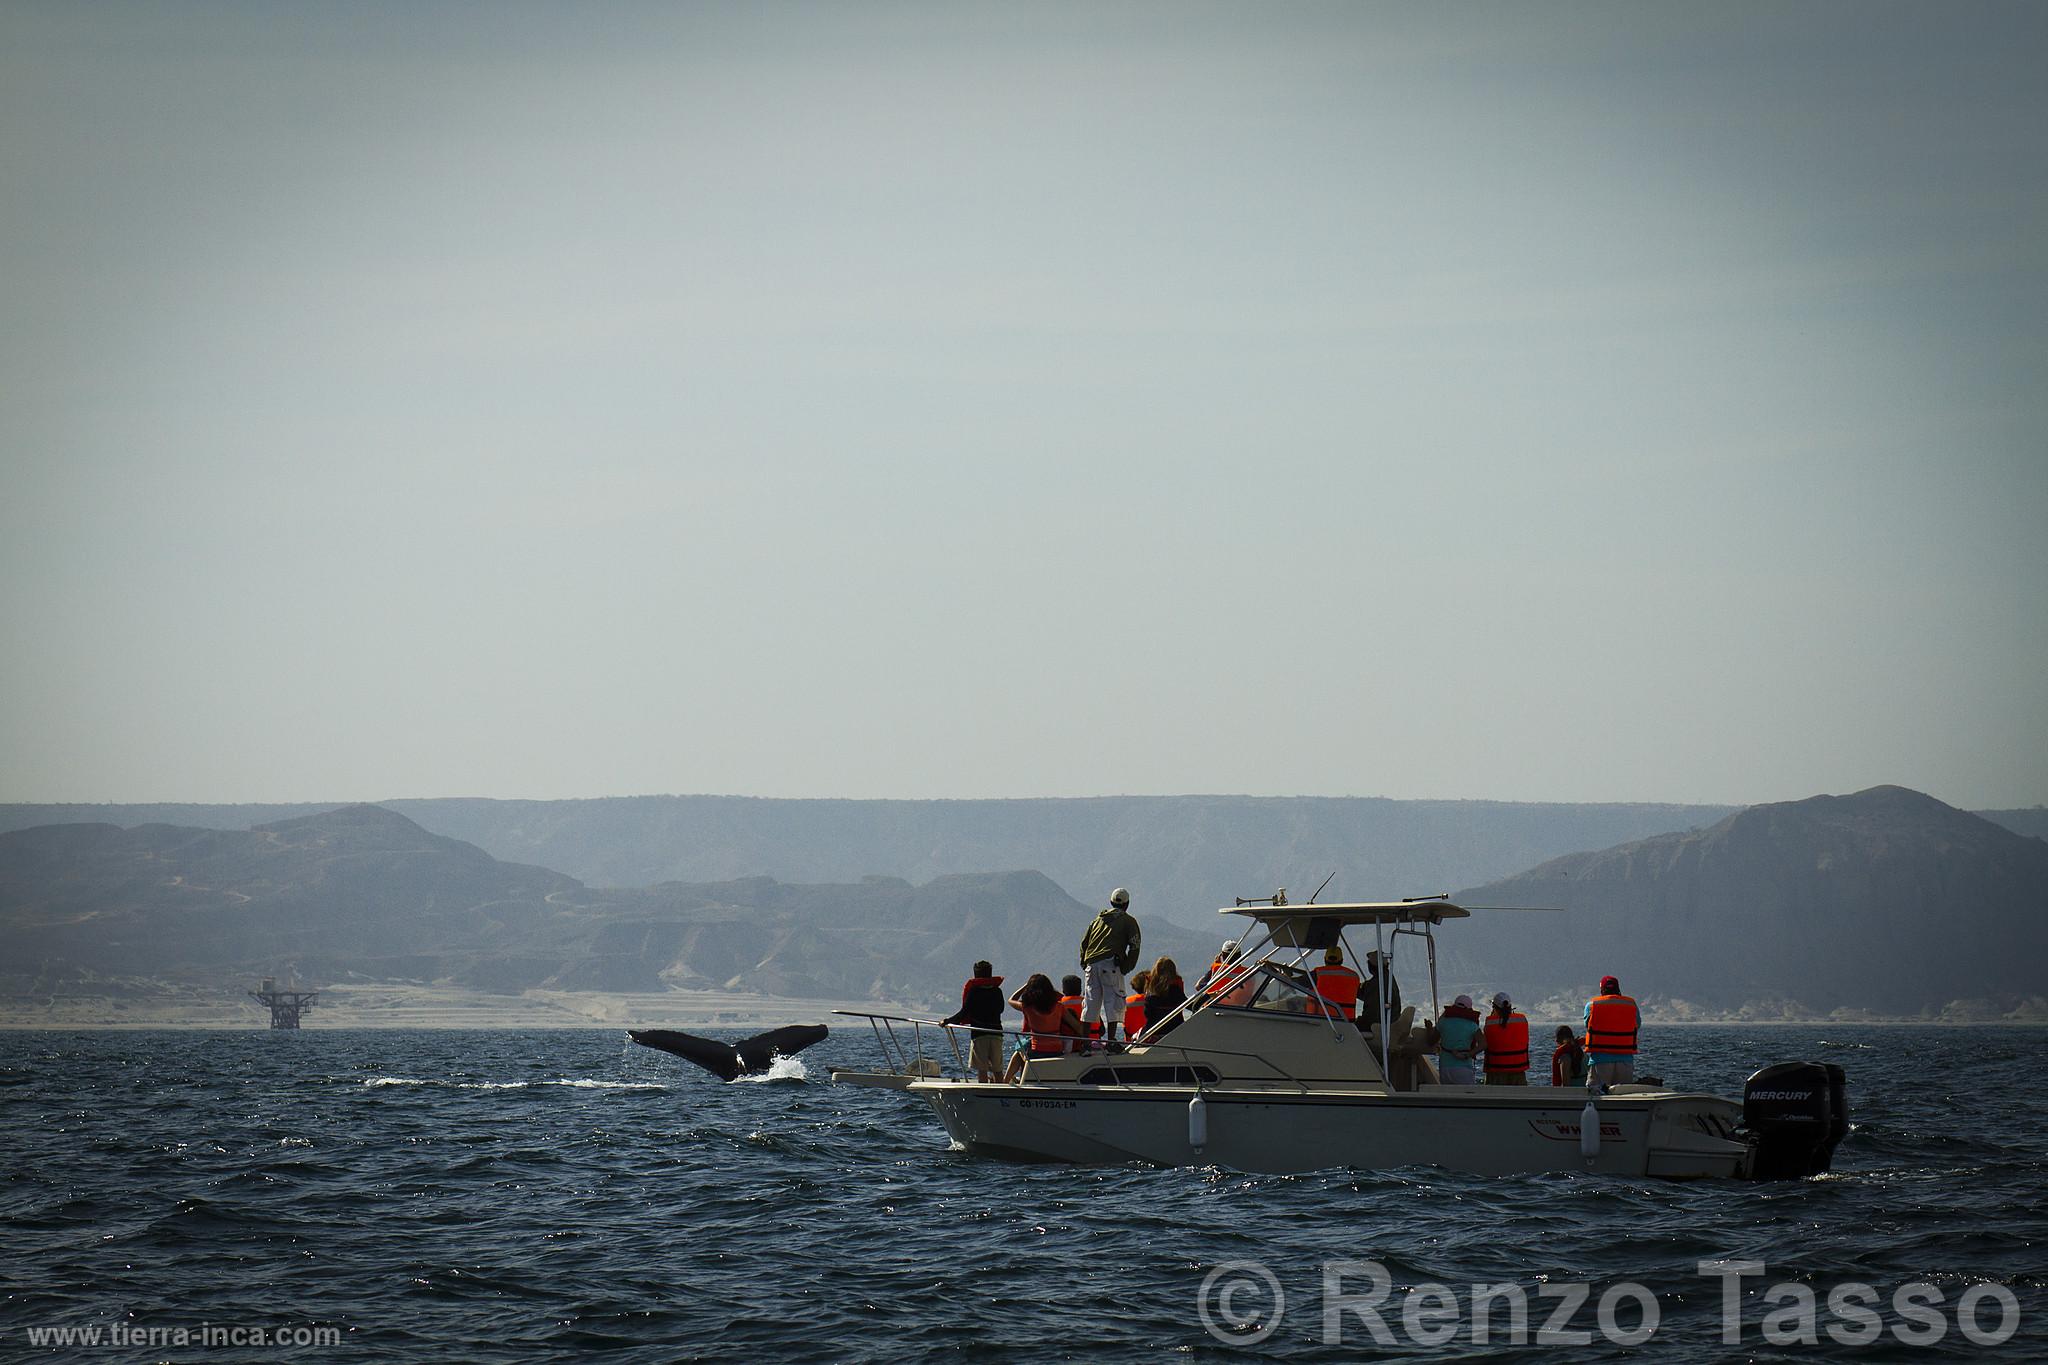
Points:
[[1613, 1026], [1134, 1006], [1568, 1061], [1336, 987], [1050, 1027], [981, 1008], [1507, 1043]]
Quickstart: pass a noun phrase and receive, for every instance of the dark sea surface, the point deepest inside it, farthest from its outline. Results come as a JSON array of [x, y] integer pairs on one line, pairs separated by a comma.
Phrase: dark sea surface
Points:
[[488, 1195]]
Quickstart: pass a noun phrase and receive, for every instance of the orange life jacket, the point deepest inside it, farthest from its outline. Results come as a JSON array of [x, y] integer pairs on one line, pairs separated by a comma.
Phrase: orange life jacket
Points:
[[1044, 1028], [1611, 1024], [1338, 987], [1507, 1043], [1134, 1015], [1073, 1002], [1240, 984], [1223, 978]]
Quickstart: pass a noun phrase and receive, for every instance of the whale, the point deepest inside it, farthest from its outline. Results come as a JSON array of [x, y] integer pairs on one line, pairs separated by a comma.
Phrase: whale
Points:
[[730, 1061]]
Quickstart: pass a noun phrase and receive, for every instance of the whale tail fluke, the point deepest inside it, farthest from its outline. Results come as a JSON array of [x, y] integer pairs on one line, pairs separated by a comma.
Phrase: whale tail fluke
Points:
[[729, 1061]]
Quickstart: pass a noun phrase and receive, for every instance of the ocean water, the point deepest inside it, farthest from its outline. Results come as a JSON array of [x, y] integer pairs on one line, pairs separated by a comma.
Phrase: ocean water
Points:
[[497, 1195]]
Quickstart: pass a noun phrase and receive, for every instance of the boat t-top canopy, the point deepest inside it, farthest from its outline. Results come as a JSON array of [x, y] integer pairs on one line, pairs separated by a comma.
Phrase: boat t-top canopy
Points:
[[1357, 912]]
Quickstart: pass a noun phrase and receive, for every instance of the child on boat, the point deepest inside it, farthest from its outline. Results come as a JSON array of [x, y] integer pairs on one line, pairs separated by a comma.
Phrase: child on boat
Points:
[[1134, 1006], [1568, 1063], [981, 1007]]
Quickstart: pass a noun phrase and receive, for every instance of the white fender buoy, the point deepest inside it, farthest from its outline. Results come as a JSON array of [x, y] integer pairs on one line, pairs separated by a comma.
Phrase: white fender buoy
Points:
[[1589, 1131], [1198, 1123]]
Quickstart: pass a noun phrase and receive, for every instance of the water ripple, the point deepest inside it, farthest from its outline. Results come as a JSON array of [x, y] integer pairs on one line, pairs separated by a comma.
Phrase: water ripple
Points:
[[491, 1195]]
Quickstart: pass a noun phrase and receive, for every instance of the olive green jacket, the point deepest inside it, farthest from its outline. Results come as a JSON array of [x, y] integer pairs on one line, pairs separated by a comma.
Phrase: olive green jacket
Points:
[[1115, 933]]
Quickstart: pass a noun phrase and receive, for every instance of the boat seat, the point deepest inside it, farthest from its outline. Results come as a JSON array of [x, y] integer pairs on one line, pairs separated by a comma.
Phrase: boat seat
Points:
[[1398, 1026]]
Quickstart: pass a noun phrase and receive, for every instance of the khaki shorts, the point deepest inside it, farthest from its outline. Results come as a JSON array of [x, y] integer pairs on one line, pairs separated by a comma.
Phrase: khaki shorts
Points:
[[1103, 995], [1600, 1075], [1507, 1078], [985, 1052]]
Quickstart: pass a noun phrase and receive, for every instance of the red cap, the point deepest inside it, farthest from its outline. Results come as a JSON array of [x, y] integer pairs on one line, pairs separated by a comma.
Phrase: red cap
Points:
[[1610, 986]]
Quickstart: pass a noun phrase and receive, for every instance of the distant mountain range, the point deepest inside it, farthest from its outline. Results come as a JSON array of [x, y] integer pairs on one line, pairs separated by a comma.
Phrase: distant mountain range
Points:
[[365, 893], [1886, 900], [1181, 856]]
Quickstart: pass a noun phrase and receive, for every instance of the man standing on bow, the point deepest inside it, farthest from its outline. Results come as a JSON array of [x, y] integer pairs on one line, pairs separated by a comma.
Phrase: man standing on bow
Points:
[[1613, 1023], [1109, 948], [1507, 1043]]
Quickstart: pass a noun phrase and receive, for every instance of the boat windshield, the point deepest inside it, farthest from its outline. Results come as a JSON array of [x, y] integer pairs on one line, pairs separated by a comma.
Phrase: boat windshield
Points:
[[1280, 987]]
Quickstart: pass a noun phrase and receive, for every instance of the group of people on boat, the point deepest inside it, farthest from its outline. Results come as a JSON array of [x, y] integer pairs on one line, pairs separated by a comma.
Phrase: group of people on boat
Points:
[[1495, 1048], [1085, 1011], [1055, 1021], [1055, 1018]]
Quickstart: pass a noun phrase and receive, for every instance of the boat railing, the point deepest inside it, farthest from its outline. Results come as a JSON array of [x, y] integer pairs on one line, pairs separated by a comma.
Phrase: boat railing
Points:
[[907, 1059], [901, 1058]]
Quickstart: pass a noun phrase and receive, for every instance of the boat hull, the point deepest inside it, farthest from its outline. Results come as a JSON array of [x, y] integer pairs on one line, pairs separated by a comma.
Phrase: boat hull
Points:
[[1481, 1131]]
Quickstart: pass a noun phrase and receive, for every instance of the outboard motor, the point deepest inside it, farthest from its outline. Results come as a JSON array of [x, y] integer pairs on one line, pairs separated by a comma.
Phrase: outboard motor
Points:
[[1794, 1113]]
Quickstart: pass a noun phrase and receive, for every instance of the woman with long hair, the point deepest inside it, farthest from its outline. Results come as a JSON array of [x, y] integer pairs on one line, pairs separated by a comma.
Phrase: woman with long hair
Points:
[[1049, 1021], [1164, 994]]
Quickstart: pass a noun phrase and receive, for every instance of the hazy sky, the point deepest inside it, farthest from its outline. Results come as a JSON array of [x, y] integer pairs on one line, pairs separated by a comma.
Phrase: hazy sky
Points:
[[1545, 402]]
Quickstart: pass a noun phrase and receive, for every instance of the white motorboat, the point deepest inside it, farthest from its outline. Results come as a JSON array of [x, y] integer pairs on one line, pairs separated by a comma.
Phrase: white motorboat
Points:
[[1260, 1078]]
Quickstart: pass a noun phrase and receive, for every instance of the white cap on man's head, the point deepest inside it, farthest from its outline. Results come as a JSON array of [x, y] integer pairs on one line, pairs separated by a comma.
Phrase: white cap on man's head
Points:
[[1464, 1000]]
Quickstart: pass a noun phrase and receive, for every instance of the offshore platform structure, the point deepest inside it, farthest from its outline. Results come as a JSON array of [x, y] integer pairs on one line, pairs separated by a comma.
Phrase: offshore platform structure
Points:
[[285, 1005]]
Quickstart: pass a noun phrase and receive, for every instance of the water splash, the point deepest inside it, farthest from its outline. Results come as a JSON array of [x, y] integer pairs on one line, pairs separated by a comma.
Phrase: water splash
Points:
[[782, 1071]]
